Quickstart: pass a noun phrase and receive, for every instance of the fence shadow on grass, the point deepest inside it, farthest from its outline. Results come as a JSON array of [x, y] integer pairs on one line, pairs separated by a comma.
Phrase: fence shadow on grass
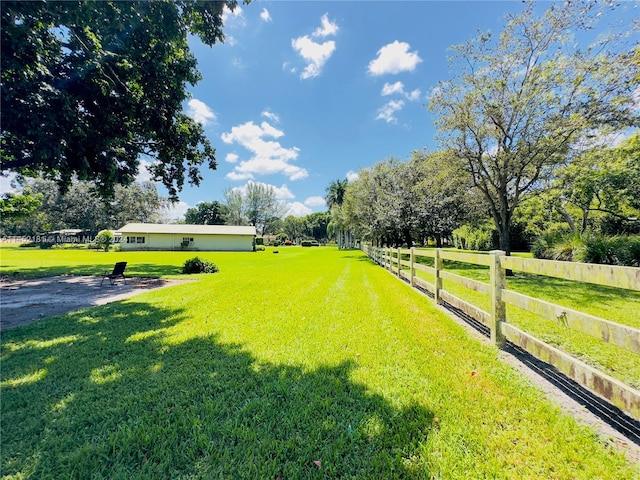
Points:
[[120, 397], [605, 411]]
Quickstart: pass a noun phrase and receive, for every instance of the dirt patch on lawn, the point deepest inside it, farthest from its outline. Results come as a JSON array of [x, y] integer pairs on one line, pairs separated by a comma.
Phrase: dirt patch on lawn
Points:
[[26, 301]]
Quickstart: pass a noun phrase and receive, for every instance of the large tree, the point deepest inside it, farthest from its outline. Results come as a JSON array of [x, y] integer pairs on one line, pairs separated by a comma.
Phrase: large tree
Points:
[[256, 205], [207, 213], [88, 87], [335, 192], [519, 102], [603, 181], [442, 197], [337, 227]]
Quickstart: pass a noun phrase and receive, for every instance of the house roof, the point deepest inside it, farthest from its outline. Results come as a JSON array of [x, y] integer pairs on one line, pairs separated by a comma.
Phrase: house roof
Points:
[[186, 229]]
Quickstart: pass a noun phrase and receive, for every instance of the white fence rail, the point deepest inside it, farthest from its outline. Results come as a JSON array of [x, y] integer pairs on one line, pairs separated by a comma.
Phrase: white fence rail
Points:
[[619, 394]]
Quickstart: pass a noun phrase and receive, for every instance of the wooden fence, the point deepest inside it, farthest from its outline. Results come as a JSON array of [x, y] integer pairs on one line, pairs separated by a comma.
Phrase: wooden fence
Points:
[[618, 393]]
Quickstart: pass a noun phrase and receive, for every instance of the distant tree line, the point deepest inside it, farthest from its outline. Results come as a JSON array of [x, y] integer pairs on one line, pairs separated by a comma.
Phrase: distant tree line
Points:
[[80, 207]]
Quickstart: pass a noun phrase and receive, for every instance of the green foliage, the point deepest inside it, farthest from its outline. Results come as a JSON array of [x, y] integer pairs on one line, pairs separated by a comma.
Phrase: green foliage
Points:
[[469, 237], [80, 207], [207, 213], [257, 205], [92, 86], [198, 265], [589, 248], [104, 239], [15, 206], [335, 192], [616, 250], [259, 240]]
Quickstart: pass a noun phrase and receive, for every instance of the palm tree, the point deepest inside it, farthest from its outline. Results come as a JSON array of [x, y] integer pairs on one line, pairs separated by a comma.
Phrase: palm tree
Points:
[[335, 197], [335, 192]]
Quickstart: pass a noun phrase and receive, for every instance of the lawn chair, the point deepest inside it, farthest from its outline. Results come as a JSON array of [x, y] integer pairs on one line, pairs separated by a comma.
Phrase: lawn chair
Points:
[[118, 271]]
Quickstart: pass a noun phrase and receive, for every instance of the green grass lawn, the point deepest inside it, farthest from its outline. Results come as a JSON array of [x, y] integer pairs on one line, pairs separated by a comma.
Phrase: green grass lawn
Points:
[[311, 363]]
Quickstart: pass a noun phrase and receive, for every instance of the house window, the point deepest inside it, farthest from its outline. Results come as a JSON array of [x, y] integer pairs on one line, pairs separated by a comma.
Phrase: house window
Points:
[[139, 239], [187, 240]]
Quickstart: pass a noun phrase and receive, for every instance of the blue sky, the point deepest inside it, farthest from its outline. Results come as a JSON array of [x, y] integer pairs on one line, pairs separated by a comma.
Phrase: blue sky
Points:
[[304, 93]]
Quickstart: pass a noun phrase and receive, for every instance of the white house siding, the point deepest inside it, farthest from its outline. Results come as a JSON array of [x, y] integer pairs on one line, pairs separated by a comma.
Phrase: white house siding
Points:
[[167, 241]]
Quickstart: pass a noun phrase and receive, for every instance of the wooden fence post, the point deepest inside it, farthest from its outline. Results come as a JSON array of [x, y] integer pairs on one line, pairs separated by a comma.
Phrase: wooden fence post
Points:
[[412, 270], [497, 280], [398, 261], [437, 281]]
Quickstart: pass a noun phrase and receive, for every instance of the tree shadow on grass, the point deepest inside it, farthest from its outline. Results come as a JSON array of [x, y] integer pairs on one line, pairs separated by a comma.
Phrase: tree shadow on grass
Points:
[[118, 396], [555, 289], [149, 270]]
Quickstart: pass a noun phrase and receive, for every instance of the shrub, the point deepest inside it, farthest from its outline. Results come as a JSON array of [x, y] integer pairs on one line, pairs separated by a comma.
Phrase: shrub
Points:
[[104, 239], [309, 243], [259, 241], [618, 250], [597, 249], [568, 248], [468, 237], [589, 248], [543, 245], [197, 265]]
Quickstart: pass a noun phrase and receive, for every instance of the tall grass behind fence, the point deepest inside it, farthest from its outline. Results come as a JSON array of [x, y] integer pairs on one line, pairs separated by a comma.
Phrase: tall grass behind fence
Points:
[[496, 305]]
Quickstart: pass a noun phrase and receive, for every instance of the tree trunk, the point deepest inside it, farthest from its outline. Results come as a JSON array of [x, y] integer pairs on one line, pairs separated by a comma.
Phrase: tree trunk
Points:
[[407, 237]]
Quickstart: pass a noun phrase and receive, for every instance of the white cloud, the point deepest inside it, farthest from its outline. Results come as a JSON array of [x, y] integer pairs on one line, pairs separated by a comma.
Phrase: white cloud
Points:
[[238, 176], [391, 88], [282, 193], [316, 201], [394, 58], [271, 116], [398, 89], [269, 157], [298, 209], [231, 158], [264, 15], [175, 211], [352, 176], [143, 172], [232, 18], [237, 63], [327, 28], [316, 54], [413, 96], [200, 112], [6, 177], [387, 112]]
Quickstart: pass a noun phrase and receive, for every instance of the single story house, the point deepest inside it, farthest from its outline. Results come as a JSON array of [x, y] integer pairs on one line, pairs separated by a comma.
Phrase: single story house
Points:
[[152, 236]]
